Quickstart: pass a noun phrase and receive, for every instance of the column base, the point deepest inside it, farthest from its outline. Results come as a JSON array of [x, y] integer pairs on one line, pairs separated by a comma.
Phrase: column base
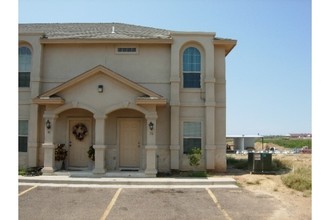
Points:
[[151, 173], [99, 171], [47, 171]]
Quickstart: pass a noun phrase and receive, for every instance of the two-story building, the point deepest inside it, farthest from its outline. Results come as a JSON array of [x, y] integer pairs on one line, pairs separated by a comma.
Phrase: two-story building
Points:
[[142, 97]]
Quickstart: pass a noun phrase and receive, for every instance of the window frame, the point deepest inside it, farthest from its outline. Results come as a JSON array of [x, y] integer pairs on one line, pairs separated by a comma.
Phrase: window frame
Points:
[[189, 137], [128, 48], [201, 67], [24, 135], [25, 72]]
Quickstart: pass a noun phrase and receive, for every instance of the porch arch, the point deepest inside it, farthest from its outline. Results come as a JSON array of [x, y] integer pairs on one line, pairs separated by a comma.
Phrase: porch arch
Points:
[[126, 105], [72, 105]]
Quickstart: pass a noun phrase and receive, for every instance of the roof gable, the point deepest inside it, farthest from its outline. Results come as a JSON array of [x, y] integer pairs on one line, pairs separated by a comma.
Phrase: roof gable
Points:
[[96, 70]]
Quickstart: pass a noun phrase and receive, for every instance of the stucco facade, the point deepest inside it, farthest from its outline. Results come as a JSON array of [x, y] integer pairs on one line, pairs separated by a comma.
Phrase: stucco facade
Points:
[[117, 83]]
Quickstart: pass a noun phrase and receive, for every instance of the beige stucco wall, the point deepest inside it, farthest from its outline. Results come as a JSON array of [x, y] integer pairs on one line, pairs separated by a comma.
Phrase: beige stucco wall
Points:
[[150, 67]]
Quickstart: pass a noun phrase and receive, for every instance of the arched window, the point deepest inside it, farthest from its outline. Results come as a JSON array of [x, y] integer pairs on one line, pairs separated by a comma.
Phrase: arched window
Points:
[[191, 68], [24, 67]]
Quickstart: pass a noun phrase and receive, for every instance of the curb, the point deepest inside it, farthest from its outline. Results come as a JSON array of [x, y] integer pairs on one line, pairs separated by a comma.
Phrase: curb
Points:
[[224, 181]]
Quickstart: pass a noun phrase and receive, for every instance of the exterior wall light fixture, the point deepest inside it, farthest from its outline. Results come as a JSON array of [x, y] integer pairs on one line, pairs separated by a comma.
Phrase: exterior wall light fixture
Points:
[[151, 126], [48, 125], [100, 88]]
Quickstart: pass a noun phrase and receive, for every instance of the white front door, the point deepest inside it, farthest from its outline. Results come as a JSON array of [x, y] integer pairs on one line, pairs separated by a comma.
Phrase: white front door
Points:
[[80, 137], [130, 137]]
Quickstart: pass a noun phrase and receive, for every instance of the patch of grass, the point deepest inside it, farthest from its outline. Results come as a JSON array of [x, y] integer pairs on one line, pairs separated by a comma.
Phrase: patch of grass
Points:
[[257, 182], [289, 143], [198, 174], [30, 171], [300, 179], [242, 164], [237, 163], [22, 172], [184, 174], [278, 164]]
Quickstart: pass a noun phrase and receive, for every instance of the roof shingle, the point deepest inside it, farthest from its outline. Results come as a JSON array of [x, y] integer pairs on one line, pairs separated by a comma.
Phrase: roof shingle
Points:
[[94, 31]]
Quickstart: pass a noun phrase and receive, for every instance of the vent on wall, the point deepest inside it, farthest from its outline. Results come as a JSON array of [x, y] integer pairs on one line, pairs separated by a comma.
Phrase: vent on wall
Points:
[[126, 50]]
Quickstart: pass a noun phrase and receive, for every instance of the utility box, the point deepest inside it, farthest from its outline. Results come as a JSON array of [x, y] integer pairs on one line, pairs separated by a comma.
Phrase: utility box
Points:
[[260, 162]]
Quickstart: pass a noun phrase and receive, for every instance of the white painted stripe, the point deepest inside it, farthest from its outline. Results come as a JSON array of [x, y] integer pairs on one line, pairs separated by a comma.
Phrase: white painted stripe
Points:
[[215, 200], [35, 186], [111, 204]]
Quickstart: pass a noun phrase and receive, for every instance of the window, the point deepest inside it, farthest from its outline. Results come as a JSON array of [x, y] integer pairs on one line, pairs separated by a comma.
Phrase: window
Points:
[[191, 68], [22, 135], [192, 136], [24, 67]]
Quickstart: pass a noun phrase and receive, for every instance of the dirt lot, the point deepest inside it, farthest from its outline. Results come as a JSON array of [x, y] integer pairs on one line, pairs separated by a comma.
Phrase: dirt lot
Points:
[[295, 204]]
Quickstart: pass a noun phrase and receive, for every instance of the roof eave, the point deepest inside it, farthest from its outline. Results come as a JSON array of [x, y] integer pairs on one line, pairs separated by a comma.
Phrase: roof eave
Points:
[[228, 44], [49, 100], [150, 101], [93, 41]]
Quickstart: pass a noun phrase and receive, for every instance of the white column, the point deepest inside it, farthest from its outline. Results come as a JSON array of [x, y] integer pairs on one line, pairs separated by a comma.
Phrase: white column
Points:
[[48, 145], [151, 147], [99, 145]]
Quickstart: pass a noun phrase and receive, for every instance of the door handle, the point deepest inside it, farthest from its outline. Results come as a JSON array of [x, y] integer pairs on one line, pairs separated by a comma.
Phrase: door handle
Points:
[[138, 144], [69, 143]]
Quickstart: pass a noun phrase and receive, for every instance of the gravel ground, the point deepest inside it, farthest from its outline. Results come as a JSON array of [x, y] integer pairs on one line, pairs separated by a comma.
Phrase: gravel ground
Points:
[[294, 204]]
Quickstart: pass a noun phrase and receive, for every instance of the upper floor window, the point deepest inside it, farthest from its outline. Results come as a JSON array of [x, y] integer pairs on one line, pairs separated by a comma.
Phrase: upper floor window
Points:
[[191, 68], [24, 67], [126, 50]]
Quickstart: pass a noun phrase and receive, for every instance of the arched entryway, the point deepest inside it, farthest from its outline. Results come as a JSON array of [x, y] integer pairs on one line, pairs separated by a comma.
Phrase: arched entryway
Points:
[[125, 133], [74, 128]]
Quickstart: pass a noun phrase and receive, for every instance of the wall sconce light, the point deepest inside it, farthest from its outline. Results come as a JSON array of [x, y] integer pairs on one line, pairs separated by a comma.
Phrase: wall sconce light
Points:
[[100, 88], [151, 126], [48, 125]]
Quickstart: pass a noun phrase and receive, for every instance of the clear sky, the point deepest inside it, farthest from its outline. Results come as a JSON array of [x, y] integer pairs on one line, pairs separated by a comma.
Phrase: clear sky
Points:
[[268, 72]]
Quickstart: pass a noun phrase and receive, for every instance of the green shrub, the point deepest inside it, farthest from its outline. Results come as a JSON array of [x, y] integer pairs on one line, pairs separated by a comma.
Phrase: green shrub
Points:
[[194, 156], [21, 172], [300, 179], [91, 153]]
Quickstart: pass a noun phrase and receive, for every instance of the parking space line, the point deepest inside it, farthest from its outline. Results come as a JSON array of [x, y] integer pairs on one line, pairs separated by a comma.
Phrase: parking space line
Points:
[[215, 200], [28, 190], [111, 204]]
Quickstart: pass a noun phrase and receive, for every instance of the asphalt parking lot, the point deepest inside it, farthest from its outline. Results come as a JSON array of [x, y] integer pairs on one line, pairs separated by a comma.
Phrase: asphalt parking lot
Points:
[[76, 202]]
